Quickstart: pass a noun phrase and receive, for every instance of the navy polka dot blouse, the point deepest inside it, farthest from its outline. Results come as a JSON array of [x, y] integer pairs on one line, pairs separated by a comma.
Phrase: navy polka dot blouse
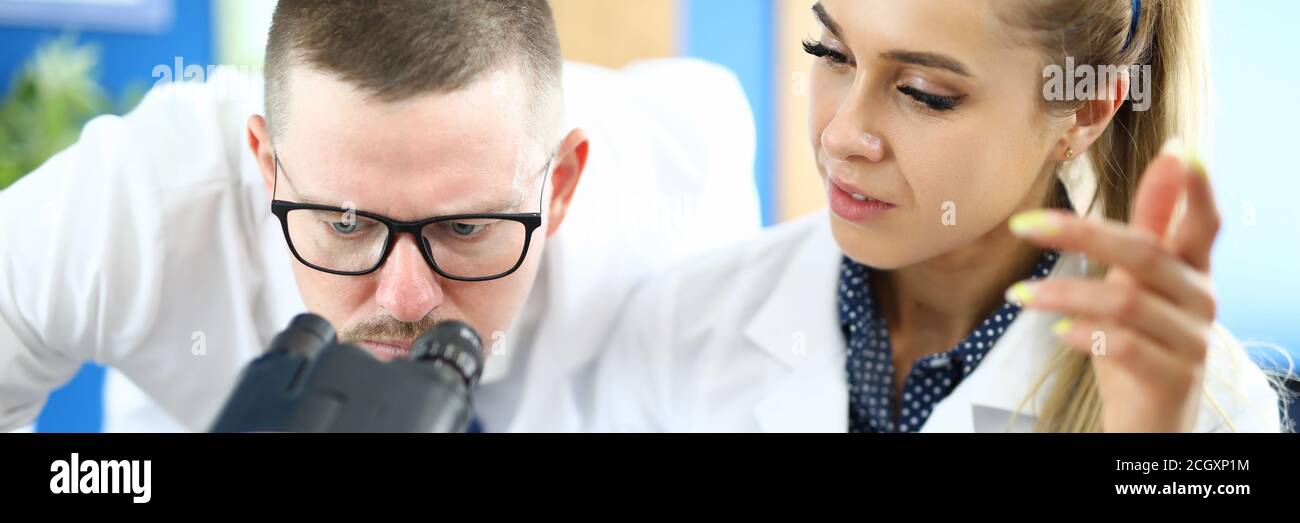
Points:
[[870, 363]]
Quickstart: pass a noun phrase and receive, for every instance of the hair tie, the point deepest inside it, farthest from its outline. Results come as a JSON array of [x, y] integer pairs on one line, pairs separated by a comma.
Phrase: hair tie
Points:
[[1133, 25]]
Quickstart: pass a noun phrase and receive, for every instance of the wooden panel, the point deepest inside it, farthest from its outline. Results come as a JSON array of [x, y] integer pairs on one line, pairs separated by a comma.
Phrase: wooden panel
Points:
[[614, 32], [798, 186]]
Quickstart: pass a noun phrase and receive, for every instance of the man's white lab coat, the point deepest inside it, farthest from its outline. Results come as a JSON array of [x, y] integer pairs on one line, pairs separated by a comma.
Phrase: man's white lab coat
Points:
[[149, 245]]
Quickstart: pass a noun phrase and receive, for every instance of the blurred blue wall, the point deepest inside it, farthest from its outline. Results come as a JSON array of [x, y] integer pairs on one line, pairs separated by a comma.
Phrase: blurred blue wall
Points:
[[1257, 260], [126, 59], [740, 34]]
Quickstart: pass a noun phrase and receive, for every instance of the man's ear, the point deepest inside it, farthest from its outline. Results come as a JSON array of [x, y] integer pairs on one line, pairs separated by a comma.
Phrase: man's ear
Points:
[[259, 142], [1094, 117], [570, 161]]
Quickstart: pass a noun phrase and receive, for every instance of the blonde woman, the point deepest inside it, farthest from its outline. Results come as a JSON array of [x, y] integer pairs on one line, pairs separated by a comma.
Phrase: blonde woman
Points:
[[1000, 253]]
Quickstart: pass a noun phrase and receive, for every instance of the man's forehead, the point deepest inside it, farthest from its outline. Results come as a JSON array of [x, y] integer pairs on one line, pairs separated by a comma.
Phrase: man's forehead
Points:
[[504, 92], [468, 148]]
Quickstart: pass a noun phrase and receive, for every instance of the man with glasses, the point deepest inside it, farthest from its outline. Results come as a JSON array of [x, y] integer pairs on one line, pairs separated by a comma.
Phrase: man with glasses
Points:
[[409, 169], [412, 165], [465, 247]]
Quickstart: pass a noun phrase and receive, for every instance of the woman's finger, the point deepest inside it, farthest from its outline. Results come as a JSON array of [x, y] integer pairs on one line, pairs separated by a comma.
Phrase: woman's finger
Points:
[[1118, 346], [1194, 239], [1124, 305], [1161, 186], [1138, 252]]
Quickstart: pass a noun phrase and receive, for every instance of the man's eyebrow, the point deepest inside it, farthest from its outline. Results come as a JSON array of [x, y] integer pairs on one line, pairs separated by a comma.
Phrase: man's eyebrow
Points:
[[825, 18], [923, 59], [499, 207]]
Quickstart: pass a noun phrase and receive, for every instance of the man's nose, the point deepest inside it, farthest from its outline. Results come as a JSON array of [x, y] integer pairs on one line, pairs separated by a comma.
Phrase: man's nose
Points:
[[408, 287]]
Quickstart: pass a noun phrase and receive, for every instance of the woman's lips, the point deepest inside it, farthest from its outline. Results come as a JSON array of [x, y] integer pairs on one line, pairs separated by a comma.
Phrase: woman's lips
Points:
[[854, 205], [388, 350]]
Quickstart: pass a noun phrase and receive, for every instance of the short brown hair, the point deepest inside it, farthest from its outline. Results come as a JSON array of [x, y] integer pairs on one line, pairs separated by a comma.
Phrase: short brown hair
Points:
[[397, 49]]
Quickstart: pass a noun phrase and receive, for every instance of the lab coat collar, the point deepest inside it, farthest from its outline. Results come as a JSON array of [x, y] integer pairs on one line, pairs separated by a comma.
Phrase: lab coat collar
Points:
[[1002, 383], [797, 326], [810, 392]]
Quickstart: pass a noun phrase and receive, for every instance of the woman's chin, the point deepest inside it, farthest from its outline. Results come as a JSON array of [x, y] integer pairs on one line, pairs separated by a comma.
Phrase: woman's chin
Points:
[[875, 249]]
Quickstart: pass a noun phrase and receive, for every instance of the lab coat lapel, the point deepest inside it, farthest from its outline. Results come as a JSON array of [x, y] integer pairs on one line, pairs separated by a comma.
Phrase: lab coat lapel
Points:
[[797, 326], [1002, 382]]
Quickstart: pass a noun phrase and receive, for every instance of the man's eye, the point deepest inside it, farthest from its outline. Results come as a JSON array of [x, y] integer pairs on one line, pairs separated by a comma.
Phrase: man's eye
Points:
[[345, 227], [466, 229]]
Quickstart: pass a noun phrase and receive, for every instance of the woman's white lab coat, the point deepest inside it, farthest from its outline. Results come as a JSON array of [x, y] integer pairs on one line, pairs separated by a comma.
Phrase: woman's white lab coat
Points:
[[748, 339]]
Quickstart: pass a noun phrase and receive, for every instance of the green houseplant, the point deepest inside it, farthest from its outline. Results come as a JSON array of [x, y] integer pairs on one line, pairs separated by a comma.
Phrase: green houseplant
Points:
[[51, 98]]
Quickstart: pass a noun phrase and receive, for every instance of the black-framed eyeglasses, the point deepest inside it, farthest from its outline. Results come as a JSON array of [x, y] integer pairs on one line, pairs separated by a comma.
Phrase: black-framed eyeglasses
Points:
[[463, 247]]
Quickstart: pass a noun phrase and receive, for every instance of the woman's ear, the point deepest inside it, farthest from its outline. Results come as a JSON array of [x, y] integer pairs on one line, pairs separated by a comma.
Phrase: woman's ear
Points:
[[259, 142], [570, 161], [1094, 117]]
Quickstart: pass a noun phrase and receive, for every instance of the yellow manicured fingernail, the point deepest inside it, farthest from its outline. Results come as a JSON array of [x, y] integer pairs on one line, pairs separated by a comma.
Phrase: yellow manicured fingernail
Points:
[[1176, 147], [1197, 166], [1062, 326], [1021, 293], [1035, 223]]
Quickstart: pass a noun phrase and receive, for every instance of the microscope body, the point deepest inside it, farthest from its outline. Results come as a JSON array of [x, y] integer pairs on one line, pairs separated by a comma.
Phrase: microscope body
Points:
[[308, 382]]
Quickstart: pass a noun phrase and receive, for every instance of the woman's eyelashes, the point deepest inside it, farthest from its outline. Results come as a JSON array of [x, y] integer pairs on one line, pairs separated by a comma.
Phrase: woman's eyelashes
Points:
[[836, 59], [932, 101], [819, 50]]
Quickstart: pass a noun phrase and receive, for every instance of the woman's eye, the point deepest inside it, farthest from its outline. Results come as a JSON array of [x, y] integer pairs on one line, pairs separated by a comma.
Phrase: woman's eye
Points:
[[933, 101], [820, 50]]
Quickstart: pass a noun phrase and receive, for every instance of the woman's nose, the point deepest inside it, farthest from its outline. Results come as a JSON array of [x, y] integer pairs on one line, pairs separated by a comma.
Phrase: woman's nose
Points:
[[848, 136], [848, 145]]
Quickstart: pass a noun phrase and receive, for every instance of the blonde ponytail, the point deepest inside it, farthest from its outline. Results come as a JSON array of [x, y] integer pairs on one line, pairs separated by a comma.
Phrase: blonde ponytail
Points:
[[1168, 46]]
